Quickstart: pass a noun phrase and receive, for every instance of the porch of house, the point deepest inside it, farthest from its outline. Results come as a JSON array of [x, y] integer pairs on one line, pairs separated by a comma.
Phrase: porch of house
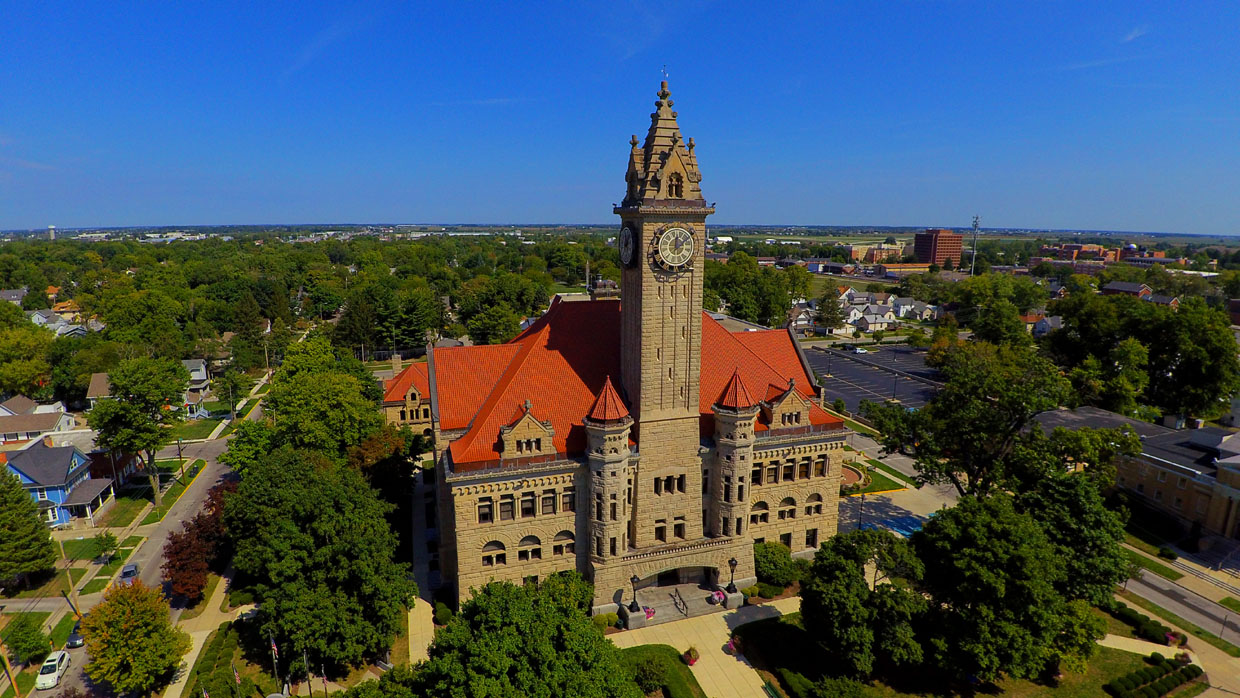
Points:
[[90, 499]]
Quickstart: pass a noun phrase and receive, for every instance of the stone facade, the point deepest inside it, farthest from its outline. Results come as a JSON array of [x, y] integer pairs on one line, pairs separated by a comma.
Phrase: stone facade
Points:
[[661, 479]]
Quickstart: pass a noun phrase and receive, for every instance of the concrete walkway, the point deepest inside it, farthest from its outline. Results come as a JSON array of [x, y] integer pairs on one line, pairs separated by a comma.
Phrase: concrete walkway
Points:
[[721, 675], [1144, 647], [1222, 670], [421, 631]]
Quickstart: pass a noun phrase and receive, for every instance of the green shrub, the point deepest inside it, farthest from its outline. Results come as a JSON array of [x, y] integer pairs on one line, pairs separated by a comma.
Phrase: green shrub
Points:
[[795, 683], [26, 640], [750, 592], [442, 614], [769, 591], [774, 563], [1155, 658], [1167, 553], [650, 676], [604, 621], [838, 688], [802, 568]]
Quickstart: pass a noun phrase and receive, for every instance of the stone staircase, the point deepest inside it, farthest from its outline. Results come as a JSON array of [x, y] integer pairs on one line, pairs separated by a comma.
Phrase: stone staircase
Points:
[[673, 603]]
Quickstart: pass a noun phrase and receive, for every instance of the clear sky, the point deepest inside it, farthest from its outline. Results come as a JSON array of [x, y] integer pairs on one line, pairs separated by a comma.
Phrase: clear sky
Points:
[[1097, 115]]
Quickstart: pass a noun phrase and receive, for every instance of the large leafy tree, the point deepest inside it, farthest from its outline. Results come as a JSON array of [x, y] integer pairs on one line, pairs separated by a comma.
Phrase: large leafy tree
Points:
[[866, 623], [966, 435], [494, 324], [26, 546], [999, 323], [993, 578], [24, 366], [535, 640], [329, 413], [252, 441], [131, 641], [314, 536], [25, 640], [147, 400]]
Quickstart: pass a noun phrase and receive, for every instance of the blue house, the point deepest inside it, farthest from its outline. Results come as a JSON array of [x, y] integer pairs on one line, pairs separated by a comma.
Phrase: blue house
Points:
[[58, 478]]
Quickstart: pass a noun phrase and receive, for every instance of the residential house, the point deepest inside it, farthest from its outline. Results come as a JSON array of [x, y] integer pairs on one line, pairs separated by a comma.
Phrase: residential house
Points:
[[22, 419], [196, 391], [1046, 325], [13, 295], [884, 311], [1170, 301], [871, 323], [45, 317], [69, 310], [1031, 320], [1128, 288], [912, 309], [861, 298], [58, 478], [98, 388]]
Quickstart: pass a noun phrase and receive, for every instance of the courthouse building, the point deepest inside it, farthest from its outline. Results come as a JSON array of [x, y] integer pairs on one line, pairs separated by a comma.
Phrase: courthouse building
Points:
[[631, 438]]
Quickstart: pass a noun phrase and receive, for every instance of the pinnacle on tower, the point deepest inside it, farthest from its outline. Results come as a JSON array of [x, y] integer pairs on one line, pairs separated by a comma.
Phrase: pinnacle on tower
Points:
[[735, 395], [608, 407]]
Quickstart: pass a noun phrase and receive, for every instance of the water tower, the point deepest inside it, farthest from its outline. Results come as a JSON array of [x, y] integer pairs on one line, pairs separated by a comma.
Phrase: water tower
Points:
[[51, 232]]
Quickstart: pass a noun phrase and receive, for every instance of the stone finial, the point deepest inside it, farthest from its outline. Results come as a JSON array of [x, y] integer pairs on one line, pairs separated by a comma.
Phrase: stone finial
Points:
[[528, 405], [792, 383], [633, 140], [690, 143], [663, 91]]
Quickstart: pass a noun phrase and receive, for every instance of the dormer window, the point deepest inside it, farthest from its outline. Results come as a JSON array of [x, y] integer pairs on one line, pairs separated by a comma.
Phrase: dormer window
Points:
[[676, 186]]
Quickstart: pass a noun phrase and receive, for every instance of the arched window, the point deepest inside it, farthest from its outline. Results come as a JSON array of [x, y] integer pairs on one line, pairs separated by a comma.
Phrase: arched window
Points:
[[494, 554], [675, 186], [788, 508], [563, 543], [814, 504], [530, 548], [759, 513]]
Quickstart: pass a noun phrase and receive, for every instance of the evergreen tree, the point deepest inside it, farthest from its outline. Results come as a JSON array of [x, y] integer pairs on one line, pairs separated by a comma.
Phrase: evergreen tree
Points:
[[26, 545]]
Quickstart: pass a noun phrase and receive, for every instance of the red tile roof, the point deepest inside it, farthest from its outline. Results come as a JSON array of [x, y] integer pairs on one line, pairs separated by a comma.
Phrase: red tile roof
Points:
[[415, 375], [563, 361], [608, 407], [735, 395]]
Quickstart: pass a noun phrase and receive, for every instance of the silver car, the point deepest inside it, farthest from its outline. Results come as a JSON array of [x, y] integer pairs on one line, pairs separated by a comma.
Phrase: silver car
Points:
[[129, 575]]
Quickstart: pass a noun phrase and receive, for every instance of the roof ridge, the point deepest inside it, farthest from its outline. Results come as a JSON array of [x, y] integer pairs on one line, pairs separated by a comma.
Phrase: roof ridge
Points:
[[755, 354], [501, 386]]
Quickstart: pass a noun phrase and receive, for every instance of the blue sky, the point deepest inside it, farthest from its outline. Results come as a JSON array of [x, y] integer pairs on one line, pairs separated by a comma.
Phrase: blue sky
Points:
[[1109, 115]]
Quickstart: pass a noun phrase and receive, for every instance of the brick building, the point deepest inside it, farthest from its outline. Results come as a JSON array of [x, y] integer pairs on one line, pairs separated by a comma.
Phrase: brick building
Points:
[[633, 438], [937, 245]]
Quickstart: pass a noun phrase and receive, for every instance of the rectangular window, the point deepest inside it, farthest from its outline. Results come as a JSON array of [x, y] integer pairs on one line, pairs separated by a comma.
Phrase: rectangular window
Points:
[[486, 511], [1182, 483], [811, 538], [705, 482], [487, 561], [739, 521], [786, 539], [679, 530], [501, 559], [568, 501], [613, 546], [523, 556], [788, 468], [772, 474], [804, 469], [1162, 476], [507, 508], [527, 506], [548, 502], [658, 485], [598, 507], [727, 489], [557, 550], [820, 467], [1202, 505], [669, 484], [1179, 503], [598, 546], [660, 532], [727, 526], [740, 493], [756, 476], [41, 494], [680, 484], [1158, 495], [613, 511]]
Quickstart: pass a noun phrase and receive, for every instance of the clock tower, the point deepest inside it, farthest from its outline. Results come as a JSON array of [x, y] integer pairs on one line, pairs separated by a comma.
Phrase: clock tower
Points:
[[662, 242]]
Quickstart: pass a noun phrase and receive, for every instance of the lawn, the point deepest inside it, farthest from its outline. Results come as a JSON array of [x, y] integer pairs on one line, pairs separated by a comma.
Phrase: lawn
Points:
[[195, 429], [94, 586], [126, 508], [79, 549], [879, 483], [174, 493], [25, 681], [1115, 626], [1156, 567], [1190, 628], [891, 471], [1231, 602], [679, 680], [45, 586], [561, 288], [213, 580], [780, 645], [60, 633], [132, 541], [38, 616]]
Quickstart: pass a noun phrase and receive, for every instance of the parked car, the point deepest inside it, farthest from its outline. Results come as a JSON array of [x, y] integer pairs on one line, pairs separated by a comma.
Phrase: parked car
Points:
[[75, 638], [54, 667], [860, 350], [129, 575]]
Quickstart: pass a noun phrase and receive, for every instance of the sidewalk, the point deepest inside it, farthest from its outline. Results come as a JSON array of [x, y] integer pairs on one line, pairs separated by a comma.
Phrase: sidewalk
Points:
[[1143, 647], [421, 631], [1197, 578], [721, 675]]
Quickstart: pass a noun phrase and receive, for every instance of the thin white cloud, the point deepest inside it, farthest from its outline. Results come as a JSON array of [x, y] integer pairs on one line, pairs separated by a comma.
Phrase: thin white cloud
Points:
[[335, 33], [1136, 33]]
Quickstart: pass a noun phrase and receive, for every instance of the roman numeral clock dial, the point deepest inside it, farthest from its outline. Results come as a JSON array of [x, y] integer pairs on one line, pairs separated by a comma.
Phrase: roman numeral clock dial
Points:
[[674, 248]]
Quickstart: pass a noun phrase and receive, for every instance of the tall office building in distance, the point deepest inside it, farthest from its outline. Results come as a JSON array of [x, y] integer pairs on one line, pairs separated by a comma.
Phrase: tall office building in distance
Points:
[[937, 245]]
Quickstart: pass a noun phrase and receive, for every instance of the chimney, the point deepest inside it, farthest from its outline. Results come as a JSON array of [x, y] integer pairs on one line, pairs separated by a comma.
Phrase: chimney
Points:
[[395, 363]]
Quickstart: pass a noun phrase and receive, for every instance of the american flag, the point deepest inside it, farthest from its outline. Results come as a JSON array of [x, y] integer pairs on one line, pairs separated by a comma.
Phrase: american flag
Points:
[[236, 676], [275, 650], [323, 675], [204, 693]]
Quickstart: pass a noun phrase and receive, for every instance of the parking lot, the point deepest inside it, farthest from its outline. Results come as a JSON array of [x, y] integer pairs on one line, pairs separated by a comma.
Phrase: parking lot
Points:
[[857, 377]]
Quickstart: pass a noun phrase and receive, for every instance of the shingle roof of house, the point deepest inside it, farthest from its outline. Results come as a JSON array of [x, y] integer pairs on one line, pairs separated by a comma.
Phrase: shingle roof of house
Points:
[[37, 422], [12, 295], [562, 362], [86, 491], [1125, 286], [99, 386], [19, 404], [1161, 300], [47, 466], [413, 375]]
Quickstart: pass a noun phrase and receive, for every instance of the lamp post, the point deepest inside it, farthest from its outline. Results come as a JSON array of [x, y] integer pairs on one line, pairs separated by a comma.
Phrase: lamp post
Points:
[[634, 606], [732, 576]]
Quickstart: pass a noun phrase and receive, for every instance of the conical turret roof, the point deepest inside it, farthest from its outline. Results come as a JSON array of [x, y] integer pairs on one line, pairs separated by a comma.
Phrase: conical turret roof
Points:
[[735, 395], [608, 407]]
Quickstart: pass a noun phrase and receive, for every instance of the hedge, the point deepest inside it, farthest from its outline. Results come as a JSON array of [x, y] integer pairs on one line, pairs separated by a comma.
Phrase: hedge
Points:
[[1158, 679], [604, 621], [1145, 627]]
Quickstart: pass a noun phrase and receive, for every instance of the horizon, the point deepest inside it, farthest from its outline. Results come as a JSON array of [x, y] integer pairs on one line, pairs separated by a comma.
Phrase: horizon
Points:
[[1055, 118]]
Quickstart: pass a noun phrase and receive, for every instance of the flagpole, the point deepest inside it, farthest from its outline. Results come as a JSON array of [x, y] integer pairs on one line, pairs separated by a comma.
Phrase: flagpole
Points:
[[309, 684], [275, 668]]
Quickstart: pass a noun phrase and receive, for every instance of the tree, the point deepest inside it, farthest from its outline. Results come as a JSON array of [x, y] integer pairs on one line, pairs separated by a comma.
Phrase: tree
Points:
[[26, 545], [917, 338], [148, 396], [233, 386], [534, 640], [967, 433], [24, 367], [25, 639], [865, 624], [104, 545], [829, 315], [132, 644], [773, 563], [185, 566], [1000, 323], [494, 324], [992, 576], [329, 413], [313, 535], [252, 441]]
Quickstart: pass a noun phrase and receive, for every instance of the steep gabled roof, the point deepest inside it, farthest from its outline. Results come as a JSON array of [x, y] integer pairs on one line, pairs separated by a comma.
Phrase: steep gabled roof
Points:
[[608, 407], [414, 375], [47, 466], [19, 404], [735, 395]]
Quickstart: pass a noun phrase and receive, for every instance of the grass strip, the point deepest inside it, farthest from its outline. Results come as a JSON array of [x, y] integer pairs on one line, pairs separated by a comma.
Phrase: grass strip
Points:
[[95, 586], [1231, 602], [213, 580], [1188, 627], [174, 493], [60, 633], [1157, 568], [131, 542], [893, 472]]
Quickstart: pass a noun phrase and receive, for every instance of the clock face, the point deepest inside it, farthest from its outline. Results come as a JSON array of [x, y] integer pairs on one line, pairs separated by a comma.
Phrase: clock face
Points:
[[626, 246], [675, 247]]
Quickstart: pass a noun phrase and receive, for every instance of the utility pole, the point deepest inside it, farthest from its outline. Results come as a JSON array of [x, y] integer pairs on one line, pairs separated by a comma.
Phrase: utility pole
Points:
[[973, 261], [8, 670]]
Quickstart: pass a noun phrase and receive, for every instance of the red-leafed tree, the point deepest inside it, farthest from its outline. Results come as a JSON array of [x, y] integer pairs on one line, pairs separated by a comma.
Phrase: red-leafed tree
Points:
[[185, 565]]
